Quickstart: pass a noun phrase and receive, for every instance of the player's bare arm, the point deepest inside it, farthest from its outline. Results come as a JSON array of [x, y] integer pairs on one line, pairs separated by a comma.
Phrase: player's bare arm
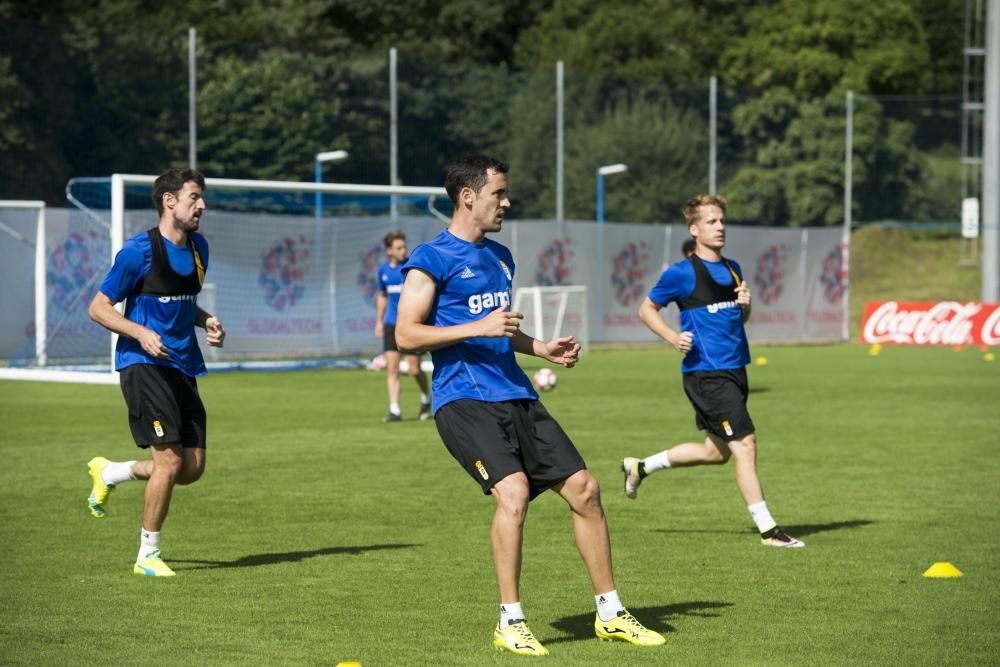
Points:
[[381, 301], [415, 303], [564, 350], [215, 334], [743, 299], [649, 313], [102, 310]]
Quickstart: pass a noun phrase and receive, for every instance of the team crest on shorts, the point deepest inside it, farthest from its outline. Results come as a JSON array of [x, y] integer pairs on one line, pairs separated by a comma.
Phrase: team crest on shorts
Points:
[[729, 429], [506, 271], [158, 428], [482, 469]]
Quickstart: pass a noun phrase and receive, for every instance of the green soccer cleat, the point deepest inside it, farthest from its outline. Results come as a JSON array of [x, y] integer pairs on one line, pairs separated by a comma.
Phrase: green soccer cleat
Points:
[[152, 566], [517, 638], [100, 491], [626, 628]]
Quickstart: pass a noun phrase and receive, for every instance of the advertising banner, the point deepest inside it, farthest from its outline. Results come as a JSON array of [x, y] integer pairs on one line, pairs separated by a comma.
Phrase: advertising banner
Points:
[[931, 323]]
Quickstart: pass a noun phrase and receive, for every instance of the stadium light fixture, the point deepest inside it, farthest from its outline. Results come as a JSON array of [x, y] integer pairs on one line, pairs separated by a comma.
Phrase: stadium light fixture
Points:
[[327, 156], [606, 170]]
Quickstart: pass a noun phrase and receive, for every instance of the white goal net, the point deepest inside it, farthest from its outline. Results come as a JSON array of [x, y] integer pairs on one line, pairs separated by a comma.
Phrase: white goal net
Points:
[[294, 286]]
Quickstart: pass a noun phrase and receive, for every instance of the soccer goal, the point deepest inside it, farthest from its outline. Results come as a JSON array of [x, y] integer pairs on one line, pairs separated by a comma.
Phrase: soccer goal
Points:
[[554, 310], [293, 284]]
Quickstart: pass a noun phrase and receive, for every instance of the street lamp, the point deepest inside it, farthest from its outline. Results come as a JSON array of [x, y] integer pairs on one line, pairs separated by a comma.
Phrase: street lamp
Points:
[[601, 173], [328, 156]]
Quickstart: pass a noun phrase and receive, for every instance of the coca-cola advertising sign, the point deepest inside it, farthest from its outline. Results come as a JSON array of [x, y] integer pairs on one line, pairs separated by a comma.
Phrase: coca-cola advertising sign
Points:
[[931, 323]]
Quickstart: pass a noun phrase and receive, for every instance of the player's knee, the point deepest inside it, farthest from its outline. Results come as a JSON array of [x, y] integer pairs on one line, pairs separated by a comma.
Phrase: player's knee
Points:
[[745, 449], [189, 475], [586, 491], [513, 496]]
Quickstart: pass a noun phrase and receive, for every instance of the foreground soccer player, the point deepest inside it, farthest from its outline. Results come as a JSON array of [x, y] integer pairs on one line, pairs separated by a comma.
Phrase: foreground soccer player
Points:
[[455, 302], [159, 273], [714, 303]]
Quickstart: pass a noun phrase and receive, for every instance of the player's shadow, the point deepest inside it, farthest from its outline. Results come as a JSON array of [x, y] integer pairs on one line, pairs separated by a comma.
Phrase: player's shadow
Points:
[[804, 529], [581, 626], [799, 530], [255, 560], [759, 389]]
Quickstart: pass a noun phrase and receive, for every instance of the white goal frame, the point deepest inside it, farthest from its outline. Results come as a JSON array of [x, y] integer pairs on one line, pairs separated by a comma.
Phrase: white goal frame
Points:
[[535, 293], [117, 234]]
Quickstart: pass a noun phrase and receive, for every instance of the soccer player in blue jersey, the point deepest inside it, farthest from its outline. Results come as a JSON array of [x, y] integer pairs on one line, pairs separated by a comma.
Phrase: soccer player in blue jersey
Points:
[[714, 303], [390, 284], [456, 303], [158, 274]]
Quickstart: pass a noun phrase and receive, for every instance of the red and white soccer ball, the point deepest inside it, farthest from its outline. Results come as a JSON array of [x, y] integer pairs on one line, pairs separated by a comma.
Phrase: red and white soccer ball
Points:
[[545, 379]]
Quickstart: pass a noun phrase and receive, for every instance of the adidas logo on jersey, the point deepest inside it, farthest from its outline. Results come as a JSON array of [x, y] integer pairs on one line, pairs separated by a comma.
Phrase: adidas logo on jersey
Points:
[[467, 274]]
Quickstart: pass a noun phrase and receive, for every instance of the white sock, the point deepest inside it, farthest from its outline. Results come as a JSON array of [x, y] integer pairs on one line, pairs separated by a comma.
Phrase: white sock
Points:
[[656, 462], [394, 409], [510, 611], [761, 516], [148, 543], [116, 473], [608, 605], [424, 398]]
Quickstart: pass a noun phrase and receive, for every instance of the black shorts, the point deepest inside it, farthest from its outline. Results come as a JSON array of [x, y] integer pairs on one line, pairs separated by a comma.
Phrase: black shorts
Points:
[[163, 406], [494, 440], [720, 402], [389, 340]]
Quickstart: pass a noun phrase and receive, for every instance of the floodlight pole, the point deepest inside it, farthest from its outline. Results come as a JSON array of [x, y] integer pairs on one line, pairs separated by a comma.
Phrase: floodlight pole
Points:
[[990, 283], [601, 173], [328, 156], [192, 100]]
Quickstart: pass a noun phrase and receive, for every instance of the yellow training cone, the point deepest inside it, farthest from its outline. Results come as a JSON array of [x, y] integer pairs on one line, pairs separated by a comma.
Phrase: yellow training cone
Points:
[[942, 571], [762, 361], [875, 349], [989, 356]]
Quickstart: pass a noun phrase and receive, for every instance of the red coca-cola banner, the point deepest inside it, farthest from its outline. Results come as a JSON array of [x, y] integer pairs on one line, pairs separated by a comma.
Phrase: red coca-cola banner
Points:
[[931, 323]]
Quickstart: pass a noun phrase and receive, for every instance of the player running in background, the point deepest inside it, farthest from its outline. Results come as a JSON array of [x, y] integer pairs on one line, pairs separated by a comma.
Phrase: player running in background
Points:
[[455, 302], [158, 274], [714, 303], [390, 284]]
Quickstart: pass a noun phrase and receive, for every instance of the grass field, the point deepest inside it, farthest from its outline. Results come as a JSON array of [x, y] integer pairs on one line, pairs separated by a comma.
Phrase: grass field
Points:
[[319, 534]]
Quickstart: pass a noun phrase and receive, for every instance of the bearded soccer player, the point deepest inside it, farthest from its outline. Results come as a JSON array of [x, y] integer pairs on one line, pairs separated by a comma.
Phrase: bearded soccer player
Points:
[[714, 303], [159, 274], [456, 303]]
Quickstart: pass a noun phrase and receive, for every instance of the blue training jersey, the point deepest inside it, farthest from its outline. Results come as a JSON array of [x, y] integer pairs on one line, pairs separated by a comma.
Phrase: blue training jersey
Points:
[[171, 317], [720, 340], [390, 283], [472, 280]]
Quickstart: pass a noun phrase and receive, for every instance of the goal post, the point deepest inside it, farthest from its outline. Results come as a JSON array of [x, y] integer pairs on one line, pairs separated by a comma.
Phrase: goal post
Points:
[[551, 311]]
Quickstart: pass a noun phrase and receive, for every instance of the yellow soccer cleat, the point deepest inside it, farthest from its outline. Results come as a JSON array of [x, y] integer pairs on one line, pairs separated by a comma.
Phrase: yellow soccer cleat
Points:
[[630, 466], [626, 628], [100, 492], [517, 638], [152, 566]]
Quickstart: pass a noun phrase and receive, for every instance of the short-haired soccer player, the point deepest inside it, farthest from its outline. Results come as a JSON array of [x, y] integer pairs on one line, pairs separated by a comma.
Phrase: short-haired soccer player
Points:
[[159, 274], [390, 284], [456, 303], [714, 303]]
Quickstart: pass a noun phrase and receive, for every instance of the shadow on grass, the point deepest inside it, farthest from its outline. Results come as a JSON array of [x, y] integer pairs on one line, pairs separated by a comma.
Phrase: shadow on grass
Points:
[[581, 627], [255, 560], [759, 390], [799, 530]]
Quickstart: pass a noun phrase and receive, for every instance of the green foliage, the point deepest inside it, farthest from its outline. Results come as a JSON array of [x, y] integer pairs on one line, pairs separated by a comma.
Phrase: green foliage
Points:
[[793, 155], [264, 118], [814, 48], [93, 88]]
